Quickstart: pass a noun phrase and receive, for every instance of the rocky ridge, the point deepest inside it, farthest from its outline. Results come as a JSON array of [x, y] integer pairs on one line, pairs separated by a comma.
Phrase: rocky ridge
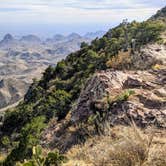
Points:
[[145, 107], [148, 104]]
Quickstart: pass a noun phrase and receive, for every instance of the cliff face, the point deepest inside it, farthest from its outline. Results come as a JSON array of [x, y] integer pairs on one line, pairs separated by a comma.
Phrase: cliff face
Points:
[[147, 106]]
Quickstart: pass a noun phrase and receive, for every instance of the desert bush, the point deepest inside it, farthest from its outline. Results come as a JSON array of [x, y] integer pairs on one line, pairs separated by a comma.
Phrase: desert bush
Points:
[[121, 61], [157, 155], [124, 146], [29, 137], [39, 159], [123, 96]]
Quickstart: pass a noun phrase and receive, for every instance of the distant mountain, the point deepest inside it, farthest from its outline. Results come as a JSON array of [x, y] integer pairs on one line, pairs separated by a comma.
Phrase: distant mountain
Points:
[[73, 36], [8, 37], [8, 41], [93, 35], [26, 57], [31, 39], [63, 45], [58, 37]]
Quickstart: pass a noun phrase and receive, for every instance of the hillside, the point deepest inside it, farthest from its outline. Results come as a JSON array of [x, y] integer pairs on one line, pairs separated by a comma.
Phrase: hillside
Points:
[[26, 58], [160, 15], [121, 74]]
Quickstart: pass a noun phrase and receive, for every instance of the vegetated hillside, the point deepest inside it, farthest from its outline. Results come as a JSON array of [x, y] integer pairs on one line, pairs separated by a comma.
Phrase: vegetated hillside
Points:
[[55, 95], [160, 15]]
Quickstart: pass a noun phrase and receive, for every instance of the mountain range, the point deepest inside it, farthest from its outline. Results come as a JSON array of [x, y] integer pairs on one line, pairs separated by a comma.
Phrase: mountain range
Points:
[[26, 58], [8, 39]]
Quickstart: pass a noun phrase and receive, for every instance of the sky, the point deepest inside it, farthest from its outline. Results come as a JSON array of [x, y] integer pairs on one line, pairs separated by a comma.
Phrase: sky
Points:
[[49, 17]]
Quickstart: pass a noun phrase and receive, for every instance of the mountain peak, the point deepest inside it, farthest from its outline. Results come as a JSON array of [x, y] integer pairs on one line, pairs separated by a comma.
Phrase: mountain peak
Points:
[[74, 35], [7, 41], [30, 38], [8, 37], [58, 37]]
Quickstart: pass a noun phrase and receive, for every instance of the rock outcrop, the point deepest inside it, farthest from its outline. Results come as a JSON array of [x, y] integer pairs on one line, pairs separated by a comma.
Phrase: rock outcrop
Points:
[[106, 91], [149, 56], [146, 107]]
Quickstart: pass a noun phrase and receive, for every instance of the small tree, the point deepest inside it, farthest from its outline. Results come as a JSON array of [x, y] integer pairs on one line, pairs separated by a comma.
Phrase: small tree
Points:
[[84, 45], [29, 138]]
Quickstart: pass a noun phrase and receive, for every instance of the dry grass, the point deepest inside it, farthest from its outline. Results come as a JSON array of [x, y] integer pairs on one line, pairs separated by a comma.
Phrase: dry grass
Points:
[[121, 61], [157, 156], [125, 146], [2, 157], [163, 36]]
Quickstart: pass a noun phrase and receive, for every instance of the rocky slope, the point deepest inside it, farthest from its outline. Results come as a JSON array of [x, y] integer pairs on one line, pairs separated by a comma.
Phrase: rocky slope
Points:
[[108, 93], [148, 104], [107, 83], [146, 107]]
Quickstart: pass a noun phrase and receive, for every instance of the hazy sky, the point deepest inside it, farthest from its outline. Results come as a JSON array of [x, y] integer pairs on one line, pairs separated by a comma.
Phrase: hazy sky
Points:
[[47, 17]]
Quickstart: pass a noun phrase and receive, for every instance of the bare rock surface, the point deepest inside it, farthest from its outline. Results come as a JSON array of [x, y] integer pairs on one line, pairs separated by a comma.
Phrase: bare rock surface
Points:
[[146, 107], [149, 56]]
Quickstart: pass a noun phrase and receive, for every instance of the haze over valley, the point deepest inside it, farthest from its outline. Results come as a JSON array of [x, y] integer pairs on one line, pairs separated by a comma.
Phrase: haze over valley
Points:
[[25, 58]]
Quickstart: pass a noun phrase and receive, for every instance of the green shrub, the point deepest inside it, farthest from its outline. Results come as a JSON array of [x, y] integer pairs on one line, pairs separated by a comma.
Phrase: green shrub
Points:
[[5, 141], [124, 96], [38, 159], [29, 137]]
